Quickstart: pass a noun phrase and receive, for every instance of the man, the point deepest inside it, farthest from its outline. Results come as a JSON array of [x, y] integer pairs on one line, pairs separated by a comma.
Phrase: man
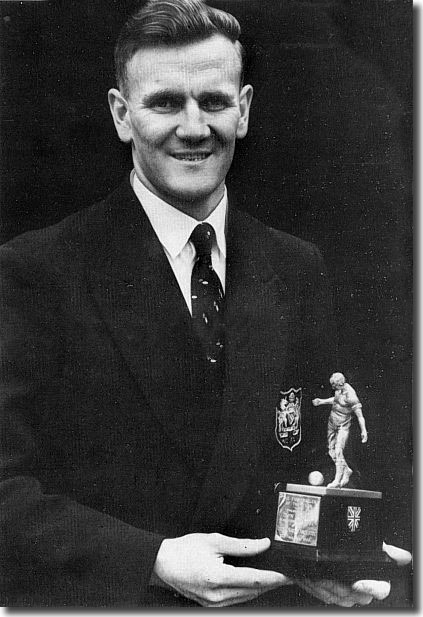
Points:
[[344, 403], [139, 452]]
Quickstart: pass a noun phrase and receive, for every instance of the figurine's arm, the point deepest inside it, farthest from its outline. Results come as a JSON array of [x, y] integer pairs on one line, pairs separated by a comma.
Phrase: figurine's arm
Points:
[[356, 408], [354, 404], [323, 401]]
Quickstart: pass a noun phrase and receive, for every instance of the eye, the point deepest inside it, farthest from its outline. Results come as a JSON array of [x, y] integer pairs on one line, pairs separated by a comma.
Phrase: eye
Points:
[[214, 102], [165, 103]]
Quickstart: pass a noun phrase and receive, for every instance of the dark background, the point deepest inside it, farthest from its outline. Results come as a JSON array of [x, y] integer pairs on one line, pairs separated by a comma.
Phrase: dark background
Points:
[[328, 157]]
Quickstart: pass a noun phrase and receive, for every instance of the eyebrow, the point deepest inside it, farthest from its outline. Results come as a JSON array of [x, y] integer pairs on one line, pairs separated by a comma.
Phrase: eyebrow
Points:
[[163, 93], [223, 96]]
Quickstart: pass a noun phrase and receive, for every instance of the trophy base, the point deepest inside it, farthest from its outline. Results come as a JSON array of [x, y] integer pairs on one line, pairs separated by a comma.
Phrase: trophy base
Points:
[[333, 533], [305, 561]]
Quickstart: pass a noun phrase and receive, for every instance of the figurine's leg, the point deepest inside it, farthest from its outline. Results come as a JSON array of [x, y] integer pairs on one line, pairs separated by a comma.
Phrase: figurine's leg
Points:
[[336, 482], [345, 470], [334, 453], [346, 475], [332, 441], [342, 440]]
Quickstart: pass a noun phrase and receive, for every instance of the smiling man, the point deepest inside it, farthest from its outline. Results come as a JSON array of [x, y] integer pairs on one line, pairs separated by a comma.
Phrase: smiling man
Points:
[[147, 341]]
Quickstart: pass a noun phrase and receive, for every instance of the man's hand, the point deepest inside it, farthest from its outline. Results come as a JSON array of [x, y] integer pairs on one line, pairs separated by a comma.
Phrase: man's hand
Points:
[[194, 566], [360, 592], [316, 402], [363, 436]]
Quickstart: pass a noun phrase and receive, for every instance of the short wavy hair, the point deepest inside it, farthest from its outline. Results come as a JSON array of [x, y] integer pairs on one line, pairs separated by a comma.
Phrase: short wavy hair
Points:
[[337, 378], [172, 23]]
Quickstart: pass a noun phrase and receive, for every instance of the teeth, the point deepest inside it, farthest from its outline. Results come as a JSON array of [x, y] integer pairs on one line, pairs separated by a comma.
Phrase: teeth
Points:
[[190, 157]]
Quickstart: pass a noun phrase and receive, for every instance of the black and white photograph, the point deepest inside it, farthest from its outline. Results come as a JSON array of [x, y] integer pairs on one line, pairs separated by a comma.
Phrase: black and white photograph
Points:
[[206, 304]]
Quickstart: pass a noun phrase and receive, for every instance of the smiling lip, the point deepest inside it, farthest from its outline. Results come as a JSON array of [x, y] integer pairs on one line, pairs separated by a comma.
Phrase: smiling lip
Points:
[[191, 156]]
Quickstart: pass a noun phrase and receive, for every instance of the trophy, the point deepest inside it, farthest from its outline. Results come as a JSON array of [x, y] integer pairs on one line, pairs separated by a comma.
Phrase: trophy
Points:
[[332, 531]]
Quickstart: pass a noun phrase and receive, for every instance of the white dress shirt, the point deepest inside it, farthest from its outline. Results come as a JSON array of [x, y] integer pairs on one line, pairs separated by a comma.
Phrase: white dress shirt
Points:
[[174, 228]]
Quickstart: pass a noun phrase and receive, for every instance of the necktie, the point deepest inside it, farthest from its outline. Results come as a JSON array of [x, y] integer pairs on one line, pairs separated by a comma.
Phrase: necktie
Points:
[[207, 295]]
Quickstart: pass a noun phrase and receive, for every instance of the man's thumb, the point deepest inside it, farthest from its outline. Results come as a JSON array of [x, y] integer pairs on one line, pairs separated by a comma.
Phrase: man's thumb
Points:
[[241, 547]]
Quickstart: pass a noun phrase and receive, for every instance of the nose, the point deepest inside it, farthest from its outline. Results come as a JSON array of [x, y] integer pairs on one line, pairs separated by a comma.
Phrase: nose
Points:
[[192, 125]]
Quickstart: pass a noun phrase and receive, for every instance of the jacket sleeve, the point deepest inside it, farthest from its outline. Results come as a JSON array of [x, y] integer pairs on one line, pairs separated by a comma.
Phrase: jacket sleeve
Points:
[[55, 552]]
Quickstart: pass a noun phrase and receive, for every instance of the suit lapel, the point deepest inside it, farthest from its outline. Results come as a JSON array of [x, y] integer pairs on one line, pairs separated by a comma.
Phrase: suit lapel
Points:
[[140, 300], [257, 324]]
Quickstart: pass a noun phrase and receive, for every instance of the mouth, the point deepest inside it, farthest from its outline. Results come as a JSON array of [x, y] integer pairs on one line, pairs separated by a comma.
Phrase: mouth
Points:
[[191, 156]]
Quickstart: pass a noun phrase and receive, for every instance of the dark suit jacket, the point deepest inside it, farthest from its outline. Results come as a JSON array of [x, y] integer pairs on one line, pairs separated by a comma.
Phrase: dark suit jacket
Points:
[[103, 409]]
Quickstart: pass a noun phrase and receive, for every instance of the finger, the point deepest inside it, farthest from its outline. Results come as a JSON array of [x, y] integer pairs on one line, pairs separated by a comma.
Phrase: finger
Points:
[[337, 589], [229, 597], [363, 598], [401, 556], [239, 585], [317, 590], [251, 578], [333, 592], [378, 589], [346, 593], [240, 547]]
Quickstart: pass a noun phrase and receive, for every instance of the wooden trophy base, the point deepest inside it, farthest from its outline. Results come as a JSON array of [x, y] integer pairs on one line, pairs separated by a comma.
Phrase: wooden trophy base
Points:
[[303, 561], [331, 533]]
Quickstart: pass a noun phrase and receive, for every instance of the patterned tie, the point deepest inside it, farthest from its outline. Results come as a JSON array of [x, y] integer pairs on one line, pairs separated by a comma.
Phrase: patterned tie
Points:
[[207, 295]]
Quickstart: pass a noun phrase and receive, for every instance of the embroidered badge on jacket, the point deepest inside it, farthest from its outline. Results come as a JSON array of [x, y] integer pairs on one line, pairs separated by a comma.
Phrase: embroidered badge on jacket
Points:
[[288, 419]]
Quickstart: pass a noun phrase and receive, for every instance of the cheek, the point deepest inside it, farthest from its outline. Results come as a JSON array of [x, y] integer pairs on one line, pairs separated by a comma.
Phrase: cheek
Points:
[[149, 135], [226, 130]]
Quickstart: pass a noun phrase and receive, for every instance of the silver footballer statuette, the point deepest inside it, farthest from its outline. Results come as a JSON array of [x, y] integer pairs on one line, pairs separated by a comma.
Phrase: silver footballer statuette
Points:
[[344, 403]]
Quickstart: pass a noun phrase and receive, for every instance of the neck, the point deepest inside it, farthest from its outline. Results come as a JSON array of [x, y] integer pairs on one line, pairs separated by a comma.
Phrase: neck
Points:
[[198, 211]]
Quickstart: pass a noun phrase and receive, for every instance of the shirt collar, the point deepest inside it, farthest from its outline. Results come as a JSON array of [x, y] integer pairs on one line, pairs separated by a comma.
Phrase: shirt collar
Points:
[[173, 227]]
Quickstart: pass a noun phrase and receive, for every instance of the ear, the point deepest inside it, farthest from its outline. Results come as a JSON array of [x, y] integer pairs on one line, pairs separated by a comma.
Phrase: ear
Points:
[[120, 113], [245, 98]]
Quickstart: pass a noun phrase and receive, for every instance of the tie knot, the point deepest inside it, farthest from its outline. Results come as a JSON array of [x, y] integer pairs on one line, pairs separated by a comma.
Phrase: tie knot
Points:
[[203, 238]]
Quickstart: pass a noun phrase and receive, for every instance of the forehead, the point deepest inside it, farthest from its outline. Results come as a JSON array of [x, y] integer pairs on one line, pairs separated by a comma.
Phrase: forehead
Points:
[[213, 62]]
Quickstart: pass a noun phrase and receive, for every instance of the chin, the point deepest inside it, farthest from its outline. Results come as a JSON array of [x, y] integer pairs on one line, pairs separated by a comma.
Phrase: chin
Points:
[[190, 196]]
